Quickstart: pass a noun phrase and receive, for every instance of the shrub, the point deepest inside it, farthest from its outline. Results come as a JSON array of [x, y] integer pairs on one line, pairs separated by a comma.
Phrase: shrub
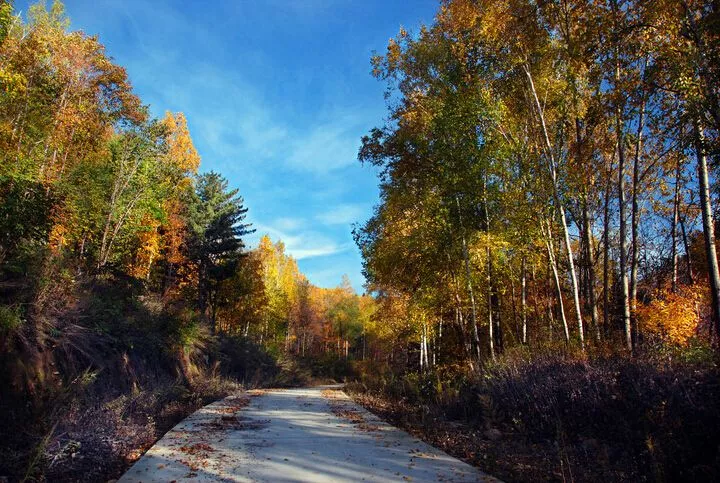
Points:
[[246, 361], [655, 416], [673, 317], [10, 319], [331, 366]]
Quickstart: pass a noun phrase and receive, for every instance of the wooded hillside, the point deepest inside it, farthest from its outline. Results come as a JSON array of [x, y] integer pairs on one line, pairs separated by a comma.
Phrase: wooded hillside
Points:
[[544, 253], [543, 291], [125, 282]]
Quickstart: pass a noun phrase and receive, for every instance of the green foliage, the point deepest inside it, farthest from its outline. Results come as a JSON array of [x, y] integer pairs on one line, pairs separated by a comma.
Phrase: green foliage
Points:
[[190, 336], [215, 216], [6, 11], [344, 313], [25, 216], [10, 320]]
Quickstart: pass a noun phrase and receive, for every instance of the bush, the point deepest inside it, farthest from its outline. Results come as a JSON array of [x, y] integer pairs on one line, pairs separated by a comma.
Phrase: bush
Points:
[[673, 317], [331, 366], [246, 361], [656, 417], [10, 320]]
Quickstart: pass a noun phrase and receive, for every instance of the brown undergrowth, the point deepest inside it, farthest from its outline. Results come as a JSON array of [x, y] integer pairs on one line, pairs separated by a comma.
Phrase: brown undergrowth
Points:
[[563, 418], [504, 457], [98, 440], [91, 380]]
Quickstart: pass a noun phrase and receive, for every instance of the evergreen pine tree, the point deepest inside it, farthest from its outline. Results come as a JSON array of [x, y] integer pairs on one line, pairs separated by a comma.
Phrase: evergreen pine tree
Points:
[[215, 218]]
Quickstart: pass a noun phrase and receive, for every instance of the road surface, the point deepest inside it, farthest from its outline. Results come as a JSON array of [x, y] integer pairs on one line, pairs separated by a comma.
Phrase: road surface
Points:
[[311, 434]]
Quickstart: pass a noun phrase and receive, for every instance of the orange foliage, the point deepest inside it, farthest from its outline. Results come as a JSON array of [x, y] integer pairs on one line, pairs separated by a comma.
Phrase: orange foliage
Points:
[[58, 237], [175, 233], [181, 150], [149, 248], [673, 317]]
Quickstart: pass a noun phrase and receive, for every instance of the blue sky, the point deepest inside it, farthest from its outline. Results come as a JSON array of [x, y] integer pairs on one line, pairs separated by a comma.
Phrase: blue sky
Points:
[[277, 94]]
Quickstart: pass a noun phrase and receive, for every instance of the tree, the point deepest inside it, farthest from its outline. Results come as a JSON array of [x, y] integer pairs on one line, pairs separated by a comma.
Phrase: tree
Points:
[[511, 127], [215, 219], [243, 297]]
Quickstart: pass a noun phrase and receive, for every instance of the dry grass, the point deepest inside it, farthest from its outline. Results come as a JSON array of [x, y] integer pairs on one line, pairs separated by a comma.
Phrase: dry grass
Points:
[[97, 439], [567, 419]]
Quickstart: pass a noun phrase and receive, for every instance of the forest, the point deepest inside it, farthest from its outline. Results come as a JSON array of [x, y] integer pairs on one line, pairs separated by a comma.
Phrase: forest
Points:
[[543, 290], [547, 220], [124, 279]]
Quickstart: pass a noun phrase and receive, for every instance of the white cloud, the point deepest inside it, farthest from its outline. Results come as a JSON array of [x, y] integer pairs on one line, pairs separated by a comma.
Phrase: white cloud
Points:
[[303, 245], [321, 251], [288, 224], [231, 113], [342, 215], [326, 147], [236, 122]]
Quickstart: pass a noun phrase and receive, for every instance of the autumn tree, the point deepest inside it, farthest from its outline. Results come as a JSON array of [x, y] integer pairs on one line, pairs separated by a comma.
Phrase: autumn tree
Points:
[[513, 128]]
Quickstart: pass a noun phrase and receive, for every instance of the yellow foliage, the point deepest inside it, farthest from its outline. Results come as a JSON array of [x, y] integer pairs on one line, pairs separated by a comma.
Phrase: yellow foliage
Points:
[[673, 317], [149, 248], [58, 237], [181, 150], [394, 52], [12, 83], [416, 115], [459, 16]]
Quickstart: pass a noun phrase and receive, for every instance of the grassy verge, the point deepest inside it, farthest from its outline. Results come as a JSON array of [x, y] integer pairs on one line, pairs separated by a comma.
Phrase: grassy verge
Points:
[[563, 418], [97, 437]]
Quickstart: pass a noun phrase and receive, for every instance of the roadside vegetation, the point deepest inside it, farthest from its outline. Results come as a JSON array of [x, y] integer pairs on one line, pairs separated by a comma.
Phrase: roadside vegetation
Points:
[[127, 296], [542, 292], [559, 416], [543, 257]]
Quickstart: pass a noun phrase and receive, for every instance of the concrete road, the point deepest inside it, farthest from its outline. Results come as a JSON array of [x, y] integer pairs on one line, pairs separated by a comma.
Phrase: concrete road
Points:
[[313, 434]]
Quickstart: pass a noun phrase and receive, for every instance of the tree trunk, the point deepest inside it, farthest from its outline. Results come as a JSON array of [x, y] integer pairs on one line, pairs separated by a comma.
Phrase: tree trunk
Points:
[[560, 205], [548, 298], [686, 245], [490, 304], [422, 348], [620, 144], [466, 259], [426, 336], [364, 339], [490, 281], [590, 267], [606, 255], [623, 248], [458, 311], [438, 343], [635, 215], [491, 328], [516, 321], [497, 317], [553, 265], [673, 231], [523, 300], [708, 224]]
